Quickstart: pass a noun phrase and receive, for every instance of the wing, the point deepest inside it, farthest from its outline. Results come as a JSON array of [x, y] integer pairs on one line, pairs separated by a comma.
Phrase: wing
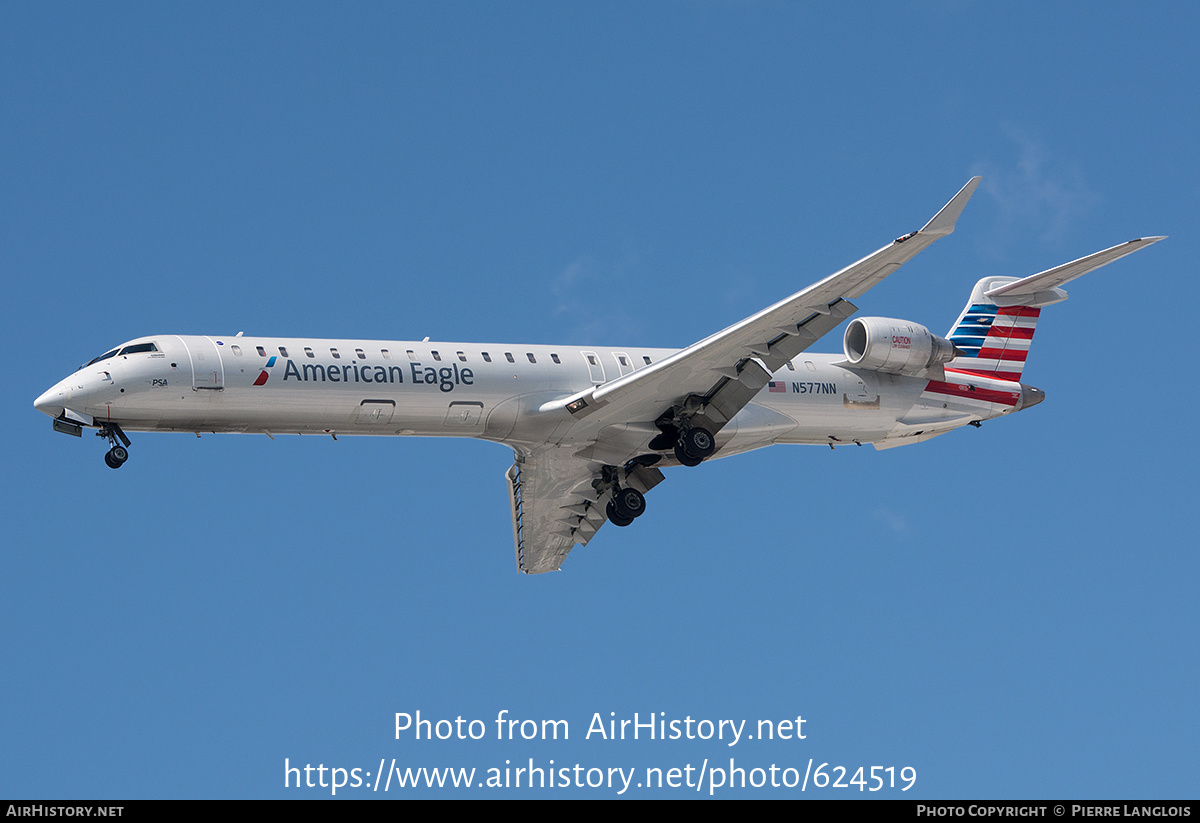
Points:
[[559, 493], [556, 505], [727, 369]]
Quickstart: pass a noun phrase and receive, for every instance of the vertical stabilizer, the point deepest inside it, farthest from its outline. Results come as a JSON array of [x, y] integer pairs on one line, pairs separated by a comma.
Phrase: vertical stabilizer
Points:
[[994, 340]]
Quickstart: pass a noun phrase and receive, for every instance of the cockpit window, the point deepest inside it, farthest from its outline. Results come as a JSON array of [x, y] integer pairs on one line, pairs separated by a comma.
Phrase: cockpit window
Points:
[[104, 356], [136, 348]]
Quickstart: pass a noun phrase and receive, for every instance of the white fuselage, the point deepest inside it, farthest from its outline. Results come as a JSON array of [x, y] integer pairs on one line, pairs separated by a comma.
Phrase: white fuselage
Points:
[[494, 392]]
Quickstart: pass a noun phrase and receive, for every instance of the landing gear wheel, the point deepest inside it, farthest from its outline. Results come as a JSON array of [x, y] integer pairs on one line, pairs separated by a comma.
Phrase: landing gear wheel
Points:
[[698, 442], [686, 459], [628, 503], [115, 457], [615, 518]]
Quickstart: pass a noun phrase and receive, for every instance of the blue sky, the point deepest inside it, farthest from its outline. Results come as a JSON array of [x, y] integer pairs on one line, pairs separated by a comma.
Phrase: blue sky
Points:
[[1010, 611]]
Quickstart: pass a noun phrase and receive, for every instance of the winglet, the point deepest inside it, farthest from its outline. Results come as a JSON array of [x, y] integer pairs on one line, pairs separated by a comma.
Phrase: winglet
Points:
[[943, 222]]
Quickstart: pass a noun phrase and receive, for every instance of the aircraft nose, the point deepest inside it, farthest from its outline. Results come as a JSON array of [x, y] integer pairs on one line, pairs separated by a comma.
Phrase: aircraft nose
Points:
[[51, 402]]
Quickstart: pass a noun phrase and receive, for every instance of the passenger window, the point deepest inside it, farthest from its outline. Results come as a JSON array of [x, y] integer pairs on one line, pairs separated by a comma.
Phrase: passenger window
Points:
[[412, 355], [462, 357], [591, 359], [283, 351], [237, 350], [621, 359], [308, 350], [508, 356], [360, 354], [646, 359], [437, 357], [386, 354], [531, 358], [791, 366], [554, 357], [261, 351], [487, 358], [335, 354]]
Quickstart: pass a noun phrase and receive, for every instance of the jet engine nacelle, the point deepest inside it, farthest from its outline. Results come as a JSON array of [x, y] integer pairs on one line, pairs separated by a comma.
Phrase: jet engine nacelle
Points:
[[895, 346]]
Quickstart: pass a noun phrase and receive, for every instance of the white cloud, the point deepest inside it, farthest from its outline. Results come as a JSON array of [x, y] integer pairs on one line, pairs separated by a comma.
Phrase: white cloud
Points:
[[1036, 190]]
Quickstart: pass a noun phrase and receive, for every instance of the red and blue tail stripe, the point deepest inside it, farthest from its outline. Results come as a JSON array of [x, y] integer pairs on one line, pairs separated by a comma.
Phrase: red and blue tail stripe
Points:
[[994, 340], [979, 394]]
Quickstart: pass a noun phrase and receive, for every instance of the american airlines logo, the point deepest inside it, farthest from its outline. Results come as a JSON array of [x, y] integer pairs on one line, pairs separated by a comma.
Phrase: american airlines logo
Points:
[[265, 374]]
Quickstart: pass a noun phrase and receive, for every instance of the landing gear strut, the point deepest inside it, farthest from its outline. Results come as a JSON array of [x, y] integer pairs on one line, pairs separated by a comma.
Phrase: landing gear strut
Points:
[[115, 457]]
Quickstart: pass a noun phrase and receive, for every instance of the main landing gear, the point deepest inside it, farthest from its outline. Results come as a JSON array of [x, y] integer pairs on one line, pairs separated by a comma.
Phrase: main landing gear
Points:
[[626, 504], [680, 430], [694, 445], [115, 457]]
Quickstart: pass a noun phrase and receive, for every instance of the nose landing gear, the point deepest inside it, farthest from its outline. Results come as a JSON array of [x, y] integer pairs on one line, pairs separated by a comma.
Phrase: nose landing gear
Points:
[[115, 457]]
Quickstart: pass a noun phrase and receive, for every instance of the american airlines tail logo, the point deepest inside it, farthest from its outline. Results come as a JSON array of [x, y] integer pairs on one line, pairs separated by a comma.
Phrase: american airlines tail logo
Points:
[[265, 373]]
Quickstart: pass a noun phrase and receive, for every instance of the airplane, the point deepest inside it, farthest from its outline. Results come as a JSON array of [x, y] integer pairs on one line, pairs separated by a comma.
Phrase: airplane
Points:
[[591, 428]]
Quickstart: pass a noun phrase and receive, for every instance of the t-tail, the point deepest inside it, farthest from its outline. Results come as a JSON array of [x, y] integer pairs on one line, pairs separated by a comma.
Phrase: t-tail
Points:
[[996, 328]]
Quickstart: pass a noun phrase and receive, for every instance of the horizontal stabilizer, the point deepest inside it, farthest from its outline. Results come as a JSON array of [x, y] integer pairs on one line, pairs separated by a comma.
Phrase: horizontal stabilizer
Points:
[[1057, 276]]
